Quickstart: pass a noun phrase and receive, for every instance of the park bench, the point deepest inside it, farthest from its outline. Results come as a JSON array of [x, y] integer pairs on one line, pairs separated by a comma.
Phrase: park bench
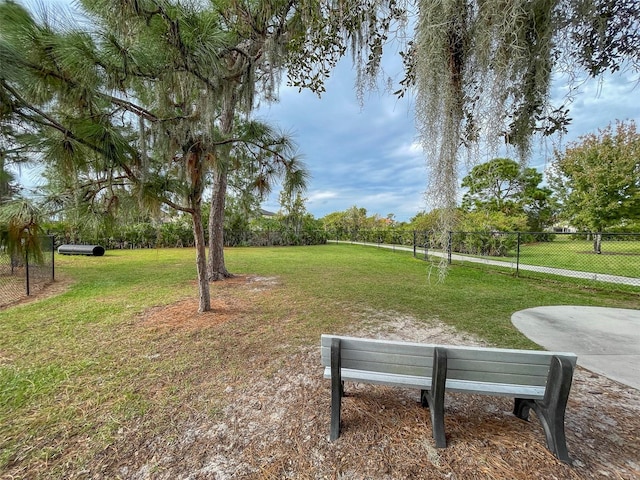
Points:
[[537, 380]]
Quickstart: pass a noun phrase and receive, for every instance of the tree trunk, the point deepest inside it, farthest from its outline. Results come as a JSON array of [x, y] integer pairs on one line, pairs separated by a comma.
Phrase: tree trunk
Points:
[[204, 304], [597, 243], [195, 172], [217, 269]]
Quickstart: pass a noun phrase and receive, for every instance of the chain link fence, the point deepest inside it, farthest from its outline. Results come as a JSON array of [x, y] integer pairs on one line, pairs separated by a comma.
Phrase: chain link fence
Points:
[[24, 275], [179, 236], [600, 257]]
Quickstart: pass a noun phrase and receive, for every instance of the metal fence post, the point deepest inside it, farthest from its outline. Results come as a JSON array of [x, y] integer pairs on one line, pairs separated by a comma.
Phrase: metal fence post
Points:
[[415, 240], [518, 256], [26, 267], [426, 245], [53, 258], [450, 246]]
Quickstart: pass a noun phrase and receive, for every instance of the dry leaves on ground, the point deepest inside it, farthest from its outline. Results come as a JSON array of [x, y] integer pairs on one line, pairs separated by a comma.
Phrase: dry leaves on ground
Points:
[[276, 426]]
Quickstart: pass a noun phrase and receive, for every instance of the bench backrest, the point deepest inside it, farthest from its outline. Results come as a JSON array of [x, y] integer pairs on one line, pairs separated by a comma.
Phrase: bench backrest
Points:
[[473, 364], [500, 365], [384, 356]]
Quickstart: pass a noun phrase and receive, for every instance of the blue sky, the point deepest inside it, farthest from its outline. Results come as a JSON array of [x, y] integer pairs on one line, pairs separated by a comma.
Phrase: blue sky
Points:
[[369, 156], [365, 156]]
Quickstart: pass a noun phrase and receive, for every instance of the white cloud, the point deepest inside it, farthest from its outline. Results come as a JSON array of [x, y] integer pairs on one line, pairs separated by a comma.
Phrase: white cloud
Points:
[[321, 196]]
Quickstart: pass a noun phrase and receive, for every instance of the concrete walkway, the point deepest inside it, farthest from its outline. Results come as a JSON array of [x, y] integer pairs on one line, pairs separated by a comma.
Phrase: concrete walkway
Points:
[[606, 340], [599, 277]]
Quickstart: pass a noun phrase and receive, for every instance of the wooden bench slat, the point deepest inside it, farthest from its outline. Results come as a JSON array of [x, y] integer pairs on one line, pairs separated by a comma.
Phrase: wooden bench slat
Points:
[[520, 373], [424, 360], [421, 358], [522, 368], [533, 357], [391, 368], [388, 346], [462, 352], [409, 381], [496, 377], [534, 392], [411, 356]]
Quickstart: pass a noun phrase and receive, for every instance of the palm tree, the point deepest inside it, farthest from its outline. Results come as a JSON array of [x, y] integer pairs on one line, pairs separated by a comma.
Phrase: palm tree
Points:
[[307, 39], [262, 157]]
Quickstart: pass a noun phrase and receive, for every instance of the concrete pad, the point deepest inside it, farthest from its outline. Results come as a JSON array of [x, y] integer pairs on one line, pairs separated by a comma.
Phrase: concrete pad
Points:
[[606, 340]]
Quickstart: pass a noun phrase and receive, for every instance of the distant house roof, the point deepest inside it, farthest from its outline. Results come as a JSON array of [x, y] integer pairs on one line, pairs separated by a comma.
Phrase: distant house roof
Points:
[[267, 213]]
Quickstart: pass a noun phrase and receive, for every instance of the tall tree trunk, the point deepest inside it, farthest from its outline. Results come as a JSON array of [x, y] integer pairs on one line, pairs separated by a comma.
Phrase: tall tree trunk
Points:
[[597, 242], [196, 180], [4, 180], [204, 304], [217, 269]]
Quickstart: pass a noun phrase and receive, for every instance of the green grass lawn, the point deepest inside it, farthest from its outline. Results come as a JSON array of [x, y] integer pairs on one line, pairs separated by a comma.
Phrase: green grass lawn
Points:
[[80, 370], [617, 258]]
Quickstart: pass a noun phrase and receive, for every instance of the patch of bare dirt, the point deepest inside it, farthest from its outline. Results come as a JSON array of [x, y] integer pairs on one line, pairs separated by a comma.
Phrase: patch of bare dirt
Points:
[[276, 426], [184, 315]]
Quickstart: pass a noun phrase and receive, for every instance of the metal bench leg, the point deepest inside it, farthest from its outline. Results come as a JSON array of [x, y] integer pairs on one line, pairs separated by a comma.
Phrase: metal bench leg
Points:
[[434, 398], [550, 410], [521, 408], [337, 389]]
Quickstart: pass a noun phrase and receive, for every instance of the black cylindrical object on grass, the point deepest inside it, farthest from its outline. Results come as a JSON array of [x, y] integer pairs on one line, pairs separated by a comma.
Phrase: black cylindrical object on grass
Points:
[[90, 250]]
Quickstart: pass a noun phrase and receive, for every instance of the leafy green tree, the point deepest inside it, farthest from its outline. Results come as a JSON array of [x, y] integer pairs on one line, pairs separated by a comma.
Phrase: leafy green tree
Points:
[[483, 233], [334, 222], [429, 221], [346, 222], [541, 208], [304, 228], [597, 179], [502, 185], [494, 186], [350, 221], [354, 223], [292, 210], [147, 95], [491, 221]]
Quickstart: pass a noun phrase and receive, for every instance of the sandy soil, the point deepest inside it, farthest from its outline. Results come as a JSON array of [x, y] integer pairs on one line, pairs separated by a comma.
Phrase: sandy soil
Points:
[[277, 426]]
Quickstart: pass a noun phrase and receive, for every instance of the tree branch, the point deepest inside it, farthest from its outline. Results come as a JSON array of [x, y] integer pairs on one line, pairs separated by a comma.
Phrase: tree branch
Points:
[[45, 120]]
